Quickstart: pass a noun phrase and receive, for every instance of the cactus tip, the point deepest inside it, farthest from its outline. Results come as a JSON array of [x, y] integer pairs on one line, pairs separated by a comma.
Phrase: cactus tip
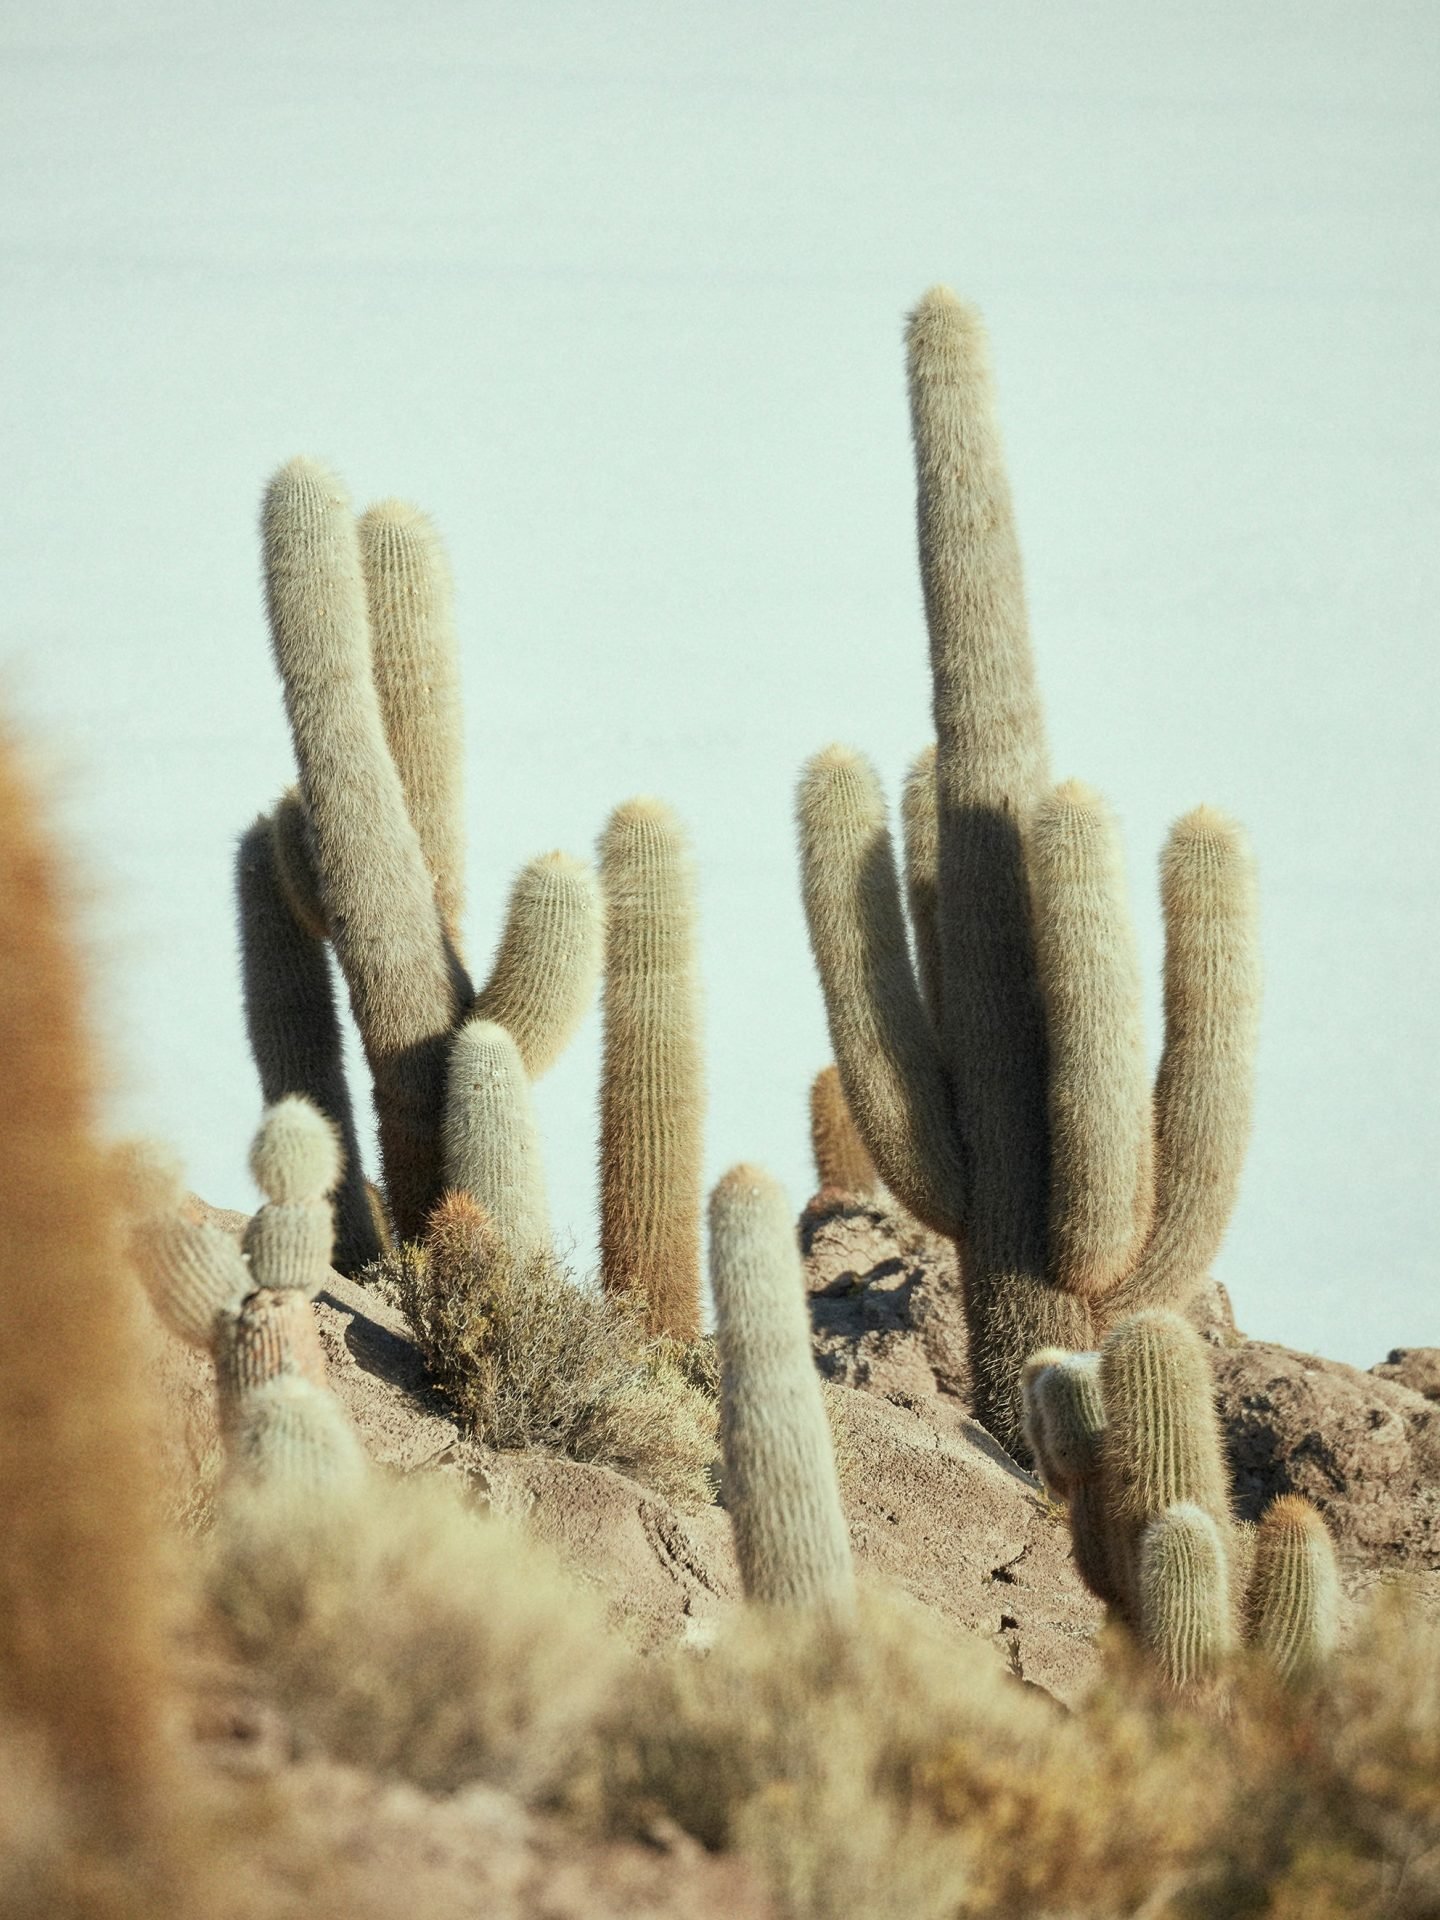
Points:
[[296, 1155]]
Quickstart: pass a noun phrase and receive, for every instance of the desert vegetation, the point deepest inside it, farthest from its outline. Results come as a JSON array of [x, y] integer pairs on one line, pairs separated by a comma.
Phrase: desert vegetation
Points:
[[518, 1593]]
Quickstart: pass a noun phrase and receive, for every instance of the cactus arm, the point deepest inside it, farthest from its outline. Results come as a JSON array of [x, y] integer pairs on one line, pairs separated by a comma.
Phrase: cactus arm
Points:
[[417, 682], [492, 1145], [780, 1485], [1161, 1445], [652, 1090], [842, 1160], [1065, 1428], [1293, 1597], [885, 1051], [1205, 1087], [1186, 1617], [1101, 1179], [548, 961], [378, 895], [293, 1023], [922, 882]]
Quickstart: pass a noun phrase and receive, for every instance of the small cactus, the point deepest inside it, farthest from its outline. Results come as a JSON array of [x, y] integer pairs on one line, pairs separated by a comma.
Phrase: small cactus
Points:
[[780, 1485], [251, 1308], [1292, 1600], [1129, 1438]]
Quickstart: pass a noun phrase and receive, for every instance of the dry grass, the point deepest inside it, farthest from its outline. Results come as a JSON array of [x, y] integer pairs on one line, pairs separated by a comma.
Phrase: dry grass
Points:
[[529, 1359], [401, 1633], [900, 1772]]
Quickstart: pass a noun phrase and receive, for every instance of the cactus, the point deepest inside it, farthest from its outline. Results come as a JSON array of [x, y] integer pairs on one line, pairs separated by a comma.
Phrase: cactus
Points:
[[997, 1078], [780, 1485], [492, 1149], [251, 1308], [87, 1583], [294, 1024], [1129, 1438], [1185, 1609], [372, 854], [841, 1157], [1292, 1601], [652, 1097]]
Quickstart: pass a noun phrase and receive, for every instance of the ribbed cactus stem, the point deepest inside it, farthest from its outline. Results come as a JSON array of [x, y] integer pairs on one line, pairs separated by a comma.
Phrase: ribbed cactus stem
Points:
[[884, 1047], [294, 1027], [194, 1273], [842, 1160], [1293, 1597], [922, 877], [1204, 1090], [1065, 1426], [652, 1084], [492, 1145], [1184, 1599], [377, 891], [1101, 1174], [296, 1162], [292, 1438], [294, 856], [548, 961], [1161, 1447], [417, 680], [780, 1485]]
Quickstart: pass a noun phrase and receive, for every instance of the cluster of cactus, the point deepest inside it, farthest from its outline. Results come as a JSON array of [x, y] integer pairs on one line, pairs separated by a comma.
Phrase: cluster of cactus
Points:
[[1129, 1439], [367, 854], [997, 1075], [248, 1303]]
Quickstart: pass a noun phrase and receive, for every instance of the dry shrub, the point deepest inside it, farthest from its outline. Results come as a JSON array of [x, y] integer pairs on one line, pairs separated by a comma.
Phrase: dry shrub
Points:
[[527, 1358], [900, 1772], [400, 1632]]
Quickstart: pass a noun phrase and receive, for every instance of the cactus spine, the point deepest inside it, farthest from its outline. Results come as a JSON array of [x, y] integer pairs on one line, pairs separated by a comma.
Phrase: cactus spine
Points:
[[780, 1485], [652, 1094], [998, 1078], [841, 1157], [372, 853]]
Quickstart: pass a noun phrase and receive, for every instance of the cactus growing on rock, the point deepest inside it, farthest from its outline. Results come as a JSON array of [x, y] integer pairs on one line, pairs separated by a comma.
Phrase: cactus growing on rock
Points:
[[492, 1148], [364, 644], [842, 1159], [1129, 1439], [1000, 1089], [780, 1485], [652, 1094], [250, 1305]]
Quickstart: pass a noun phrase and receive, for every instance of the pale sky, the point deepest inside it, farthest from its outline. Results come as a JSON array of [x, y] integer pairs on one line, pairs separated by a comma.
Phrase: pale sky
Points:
[[616, 293]]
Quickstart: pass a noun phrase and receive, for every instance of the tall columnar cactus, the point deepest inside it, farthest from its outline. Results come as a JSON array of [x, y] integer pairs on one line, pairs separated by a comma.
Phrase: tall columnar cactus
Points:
[[651, 1092], [841, 1157], [780, 1484], [1130, 1440], [251, 1308], [364, 642], [998, 1077]]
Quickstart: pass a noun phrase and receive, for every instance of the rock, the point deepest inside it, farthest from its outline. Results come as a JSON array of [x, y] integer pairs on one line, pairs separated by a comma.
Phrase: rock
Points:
[[1366, 1450], [1415, 1367], [885, 1306]]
